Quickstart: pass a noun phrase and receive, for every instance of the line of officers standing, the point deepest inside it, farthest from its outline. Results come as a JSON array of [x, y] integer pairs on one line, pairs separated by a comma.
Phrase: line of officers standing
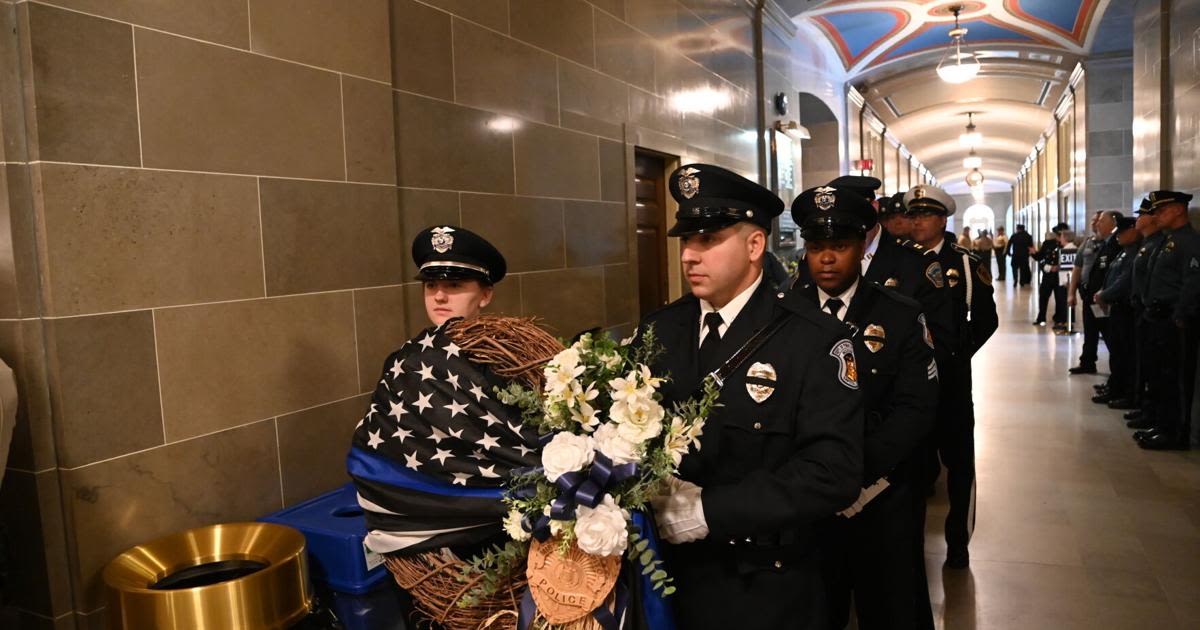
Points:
[[811, 488], [1146, 283]]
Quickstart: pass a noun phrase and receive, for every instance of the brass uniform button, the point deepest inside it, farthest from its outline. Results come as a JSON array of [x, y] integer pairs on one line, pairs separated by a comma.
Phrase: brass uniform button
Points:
[[778, 564], [757, 426]]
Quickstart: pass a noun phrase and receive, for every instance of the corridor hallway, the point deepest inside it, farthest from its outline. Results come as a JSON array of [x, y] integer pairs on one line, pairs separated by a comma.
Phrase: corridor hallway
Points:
[[1076, 526]]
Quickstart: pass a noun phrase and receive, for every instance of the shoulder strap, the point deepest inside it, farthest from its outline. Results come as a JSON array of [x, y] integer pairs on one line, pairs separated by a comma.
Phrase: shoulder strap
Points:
[[752, 344]]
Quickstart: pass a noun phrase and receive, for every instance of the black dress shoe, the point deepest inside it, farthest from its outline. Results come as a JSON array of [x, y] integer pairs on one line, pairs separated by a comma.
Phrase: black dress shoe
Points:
[[957, 558], [1083, 369], [1121, 403], [1133, 415], [1100, 386], [1164, 441], [1138, 436], [1101, 398], [1141, 424]]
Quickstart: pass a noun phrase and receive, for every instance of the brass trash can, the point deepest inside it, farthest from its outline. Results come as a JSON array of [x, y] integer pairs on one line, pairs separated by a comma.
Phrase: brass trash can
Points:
[[229, 576]]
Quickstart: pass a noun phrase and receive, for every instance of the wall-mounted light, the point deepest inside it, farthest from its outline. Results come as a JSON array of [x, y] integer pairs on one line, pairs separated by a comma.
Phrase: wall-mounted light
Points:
[[504, 123], [957, 66]]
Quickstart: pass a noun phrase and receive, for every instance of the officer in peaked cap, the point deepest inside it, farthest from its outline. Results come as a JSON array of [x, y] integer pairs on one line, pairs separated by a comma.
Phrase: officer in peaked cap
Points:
[[1171, 315], [892, 216], [867, 549], [1143, 418], [458, 268], [785, 449], [1114, 296], [865, 187], [970, 287]]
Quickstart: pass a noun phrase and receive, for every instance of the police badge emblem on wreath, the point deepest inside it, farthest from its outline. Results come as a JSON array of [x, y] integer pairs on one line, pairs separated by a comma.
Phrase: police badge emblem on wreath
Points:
[[760, 381], [825, 197], [689, 184], [442, 239]]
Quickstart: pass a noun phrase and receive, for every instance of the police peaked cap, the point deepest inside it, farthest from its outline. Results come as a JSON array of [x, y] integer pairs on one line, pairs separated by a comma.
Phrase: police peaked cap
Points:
[[864, 186], [1144, 207], [829, 212], [929, 199], [1160, 198], [891, 205], [711, 198], [1125, 223], [1061, 227], [449, 252]]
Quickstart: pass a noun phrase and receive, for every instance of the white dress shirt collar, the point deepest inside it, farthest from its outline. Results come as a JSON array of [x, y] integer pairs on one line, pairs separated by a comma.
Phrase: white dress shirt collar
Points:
[[730, 311], [845, 297]]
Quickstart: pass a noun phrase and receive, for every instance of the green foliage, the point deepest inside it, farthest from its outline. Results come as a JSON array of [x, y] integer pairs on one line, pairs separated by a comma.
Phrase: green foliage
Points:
[[641, 555], [497, 565]]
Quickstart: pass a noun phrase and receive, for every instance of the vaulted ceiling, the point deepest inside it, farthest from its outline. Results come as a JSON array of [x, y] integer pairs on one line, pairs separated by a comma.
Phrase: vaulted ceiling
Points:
[[1028, 48]]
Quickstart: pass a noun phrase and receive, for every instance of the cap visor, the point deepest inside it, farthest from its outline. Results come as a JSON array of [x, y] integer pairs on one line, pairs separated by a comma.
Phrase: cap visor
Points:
[[688, 226], [450, 273]]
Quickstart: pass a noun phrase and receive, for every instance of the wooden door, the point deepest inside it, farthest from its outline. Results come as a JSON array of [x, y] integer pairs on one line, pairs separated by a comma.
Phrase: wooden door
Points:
[[650, 195]]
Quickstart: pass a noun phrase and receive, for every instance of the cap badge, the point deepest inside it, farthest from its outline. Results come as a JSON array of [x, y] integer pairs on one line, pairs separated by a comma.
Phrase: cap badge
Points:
[[442, 239], [873, 337], [825, 197], [918, 192], [760, 381], [689, 184], [891, 282]]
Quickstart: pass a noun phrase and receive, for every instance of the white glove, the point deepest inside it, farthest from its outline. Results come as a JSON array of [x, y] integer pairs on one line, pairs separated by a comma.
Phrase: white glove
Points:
[[865, 497], [679, 512]]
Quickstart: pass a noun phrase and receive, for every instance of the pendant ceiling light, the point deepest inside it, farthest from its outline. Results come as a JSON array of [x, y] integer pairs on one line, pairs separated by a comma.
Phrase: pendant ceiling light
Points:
[[971, 139], [957, 66], [972, 160], [975, 178]]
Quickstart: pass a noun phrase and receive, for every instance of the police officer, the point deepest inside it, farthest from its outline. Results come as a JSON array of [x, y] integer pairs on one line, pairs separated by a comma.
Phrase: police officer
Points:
[[970, 287], [1047, 256], [1170, 336], [459, 270], [1143, 417], [784, 451], [1091, 265], [892, 217], [1114, 296], [867, 548]]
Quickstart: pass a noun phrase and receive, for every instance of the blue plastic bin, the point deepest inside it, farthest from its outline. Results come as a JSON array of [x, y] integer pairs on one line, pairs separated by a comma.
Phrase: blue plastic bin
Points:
[[333, 525]]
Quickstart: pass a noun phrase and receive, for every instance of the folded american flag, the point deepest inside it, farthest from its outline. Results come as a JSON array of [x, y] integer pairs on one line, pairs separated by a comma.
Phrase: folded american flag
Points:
[[432, 455]]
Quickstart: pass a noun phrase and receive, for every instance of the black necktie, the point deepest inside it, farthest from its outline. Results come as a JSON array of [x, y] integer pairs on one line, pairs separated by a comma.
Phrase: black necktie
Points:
[[834, 305], [708, 349]]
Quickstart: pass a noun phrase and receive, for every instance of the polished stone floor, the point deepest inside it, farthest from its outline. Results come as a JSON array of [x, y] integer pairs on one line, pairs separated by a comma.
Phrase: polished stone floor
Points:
[[1076, 526]]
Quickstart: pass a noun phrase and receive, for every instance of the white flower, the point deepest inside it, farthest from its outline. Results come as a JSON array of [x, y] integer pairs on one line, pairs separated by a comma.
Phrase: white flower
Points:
[[641, 422], [512, 526], [586, 416], [648, 379], [610, 360], [616, 448], [556, 525], [625, 389], [566, 453], [681, 436], [601, 530], [561, 371]]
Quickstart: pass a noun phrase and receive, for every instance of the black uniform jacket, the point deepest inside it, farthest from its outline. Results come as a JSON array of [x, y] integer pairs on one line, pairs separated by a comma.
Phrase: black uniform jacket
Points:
[[976, 318], [1106, 254], [897, 374], [1018, 246], [914, 271], [789, 460]]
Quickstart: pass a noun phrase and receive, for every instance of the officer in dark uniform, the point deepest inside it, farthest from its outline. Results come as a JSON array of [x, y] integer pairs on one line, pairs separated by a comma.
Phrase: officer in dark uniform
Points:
[[970, 286], [1114, 296], [1047, 257], [1170, 335], [892, 217], [867, 548], [784, 451], [1143, 417]]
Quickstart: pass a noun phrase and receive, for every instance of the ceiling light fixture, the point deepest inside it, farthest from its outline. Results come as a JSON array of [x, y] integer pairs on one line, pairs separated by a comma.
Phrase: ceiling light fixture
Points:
[[972, 138], [975, 178], [957, 66], [972, 160]]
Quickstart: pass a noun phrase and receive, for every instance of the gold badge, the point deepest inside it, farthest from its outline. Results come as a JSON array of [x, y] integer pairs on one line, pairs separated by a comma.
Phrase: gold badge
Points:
[[825, 197], [874, 336], [760, 381], [952, 277], [689, 183], [843, 351], [891, 282], [569, 586], [442, 239]]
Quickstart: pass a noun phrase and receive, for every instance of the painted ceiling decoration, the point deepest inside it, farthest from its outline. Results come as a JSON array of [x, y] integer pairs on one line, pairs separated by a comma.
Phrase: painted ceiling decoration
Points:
[[870, 33]]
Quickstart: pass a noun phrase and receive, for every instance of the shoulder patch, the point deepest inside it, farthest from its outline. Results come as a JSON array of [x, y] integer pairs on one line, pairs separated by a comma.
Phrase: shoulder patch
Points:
[[843, 351], [934, 273], [925, 330], [984, 273]]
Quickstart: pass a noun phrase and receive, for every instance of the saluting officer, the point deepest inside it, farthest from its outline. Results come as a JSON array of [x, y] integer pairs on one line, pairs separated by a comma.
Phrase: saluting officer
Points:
[[1170, 333], [1142, 418], [970, 287], [867, 550], [784, 450]]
